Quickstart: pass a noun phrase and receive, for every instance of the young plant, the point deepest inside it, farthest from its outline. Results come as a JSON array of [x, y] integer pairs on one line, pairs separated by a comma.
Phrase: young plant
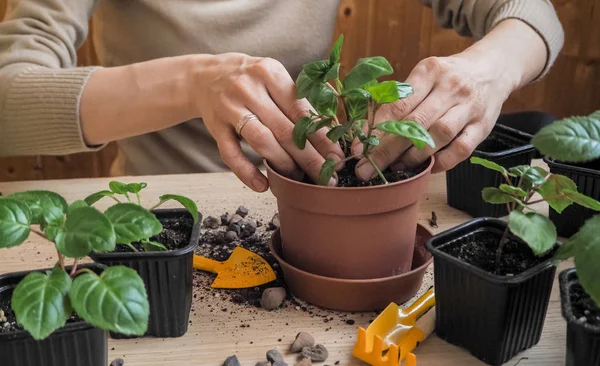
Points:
[[570, 140], [115, 300], [146, 224], [360, 96]]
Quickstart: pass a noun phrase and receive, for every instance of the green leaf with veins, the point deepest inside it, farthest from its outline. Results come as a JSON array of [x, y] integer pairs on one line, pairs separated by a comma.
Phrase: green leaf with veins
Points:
[[316, 70], [336, 50], [86, 229], [77, 204], [360, 123], [582, 199], [186, 202], [323, 99], [357, 101], [372, 141], [595, 115], [585, 247], [153, 246], [300, 131], [325, 122], [490, 165], [513, 191], [115, 301], [532, 177], [40, 302], [53, 222], [366, 70], [336, 133], [553, 187], [39, 201], [574, 139], [404, 90], [496, 196], [304, 85], [567, 250], [411, 130], [118, 187], [15, 219], [389, 91], [333, 73], [95, 197], [136, 187], [327, 171], [132, 223], [534, 229]]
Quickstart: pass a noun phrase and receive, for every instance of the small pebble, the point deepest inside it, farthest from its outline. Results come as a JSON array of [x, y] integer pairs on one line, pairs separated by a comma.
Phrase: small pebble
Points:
[[350, 322], [274, 355], [302, 340], [235, 219], [242, 211], [272, 298], [225, 218], [211, 222], [304, 362], [316, 353], [231, 236], [236, 228], [274, 224], [263, 363], [117, 362], [246, 228], [231, 361]]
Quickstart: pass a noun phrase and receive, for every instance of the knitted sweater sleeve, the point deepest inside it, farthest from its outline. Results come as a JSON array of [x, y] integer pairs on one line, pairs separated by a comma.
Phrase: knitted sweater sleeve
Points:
[[475, 18], [40, 85]]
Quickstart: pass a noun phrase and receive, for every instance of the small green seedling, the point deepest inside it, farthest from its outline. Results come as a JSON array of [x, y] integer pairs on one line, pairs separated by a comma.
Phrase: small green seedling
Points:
[[361, 96], [146, 224], [570, 140], [115, 300]]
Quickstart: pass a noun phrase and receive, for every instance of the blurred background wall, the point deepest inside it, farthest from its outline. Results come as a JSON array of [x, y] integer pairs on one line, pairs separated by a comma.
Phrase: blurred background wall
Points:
[[404, 32]]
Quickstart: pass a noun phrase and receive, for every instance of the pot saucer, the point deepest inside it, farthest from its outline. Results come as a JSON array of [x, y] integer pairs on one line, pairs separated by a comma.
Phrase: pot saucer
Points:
[[356, 295]]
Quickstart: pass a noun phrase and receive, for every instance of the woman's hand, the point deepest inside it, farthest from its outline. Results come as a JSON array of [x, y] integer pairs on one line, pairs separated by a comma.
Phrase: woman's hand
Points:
[[459, 98], [235, 85]]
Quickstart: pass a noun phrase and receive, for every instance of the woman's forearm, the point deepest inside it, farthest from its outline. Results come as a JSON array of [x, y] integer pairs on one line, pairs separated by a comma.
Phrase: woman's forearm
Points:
[[126, 101]]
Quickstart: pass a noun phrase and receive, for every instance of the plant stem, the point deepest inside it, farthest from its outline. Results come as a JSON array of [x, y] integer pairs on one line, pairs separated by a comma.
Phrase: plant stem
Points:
[[82, 270], [156, 206], [351, 157], [128, 199], [38, 233], [332, 88], [501, 247], [546, 199], [74, 269], [115, 198], [131, 246], [137, 194], [61, 259], [376, 169]]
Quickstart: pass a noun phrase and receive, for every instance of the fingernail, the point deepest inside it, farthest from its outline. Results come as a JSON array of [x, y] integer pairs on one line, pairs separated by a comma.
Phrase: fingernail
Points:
[[364, 170], [260, 185]]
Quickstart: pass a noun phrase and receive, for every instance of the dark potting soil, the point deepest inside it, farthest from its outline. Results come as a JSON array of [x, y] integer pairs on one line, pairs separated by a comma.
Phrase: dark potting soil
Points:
[[495, 143], [10, 325], [175, 235], [584, 308], [480, 250]]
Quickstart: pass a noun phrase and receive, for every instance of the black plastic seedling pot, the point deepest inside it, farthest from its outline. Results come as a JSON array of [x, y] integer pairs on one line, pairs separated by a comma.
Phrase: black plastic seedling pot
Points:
[[587, 178], [493, 317], [76, 343], [168, 280], [465, 181], [583, 340]]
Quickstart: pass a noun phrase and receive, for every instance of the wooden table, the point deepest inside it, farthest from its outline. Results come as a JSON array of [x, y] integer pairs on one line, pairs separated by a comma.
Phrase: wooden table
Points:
[[214, 336]]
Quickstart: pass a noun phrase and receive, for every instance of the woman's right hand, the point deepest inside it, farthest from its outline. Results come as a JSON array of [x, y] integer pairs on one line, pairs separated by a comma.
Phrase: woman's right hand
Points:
[[231, 86]]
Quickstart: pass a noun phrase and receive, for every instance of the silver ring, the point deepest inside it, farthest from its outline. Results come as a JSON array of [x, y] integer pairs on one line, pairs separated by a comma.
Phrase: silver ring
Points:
[[243, 121]]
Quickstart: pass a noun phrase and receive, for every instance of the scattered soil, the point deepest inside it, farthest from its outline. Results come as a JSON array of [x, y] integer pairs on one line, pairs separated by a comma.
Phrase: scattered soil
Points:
[[175, 235], [433, 220], [584, 308], [479, 249], [496, 143]]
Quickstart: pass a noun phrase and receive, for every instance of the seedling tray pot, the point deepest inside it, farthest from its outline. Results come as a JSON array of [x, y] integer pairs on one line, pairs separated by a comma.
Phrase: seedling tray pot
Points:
[[588, 182], [353, 294], [583, 340], [168, 280], [74, 344], [465, 181], [493, 317]]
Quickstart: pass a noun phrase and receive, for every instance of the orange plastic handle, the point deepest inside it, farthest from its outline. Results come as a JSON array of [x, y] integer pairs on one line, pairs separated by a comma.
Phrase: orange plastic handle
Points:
[[206, 264]]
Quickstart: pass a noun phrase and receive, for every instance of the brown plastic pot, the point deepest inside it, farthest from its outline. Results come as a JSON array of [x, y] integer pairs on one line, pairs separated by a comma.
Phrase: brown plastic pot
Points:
[[347, 232], [356, 295]]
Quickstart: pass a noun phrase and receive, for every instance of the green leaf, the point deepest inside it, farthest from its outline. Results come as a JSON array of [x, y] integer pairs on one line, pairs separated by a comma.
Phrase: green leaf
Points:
[[566, 250], [582, 199], [404, 90], [86, 229], [136, 187], [15, 219], [488, 164], [373, 141], [185, 202], [360, 123], [53, 222], [325, 122], [513, 191], [586, 247], [300, 132], [336, 50], [40, 302], [496, 196], [304, 85], [357, 101], [519, 170], [409, 129], [153, 246], [333, 73], [389, 91], [531, 176], [574, 139], [132, 223], [317, 70], [327, 171], [534, 229], [595, 115], [554, 186], [38, 201], [77, 204], [95, 197], [118, 187], [115, 301], [336, 133], [323, 99], [366, 70]]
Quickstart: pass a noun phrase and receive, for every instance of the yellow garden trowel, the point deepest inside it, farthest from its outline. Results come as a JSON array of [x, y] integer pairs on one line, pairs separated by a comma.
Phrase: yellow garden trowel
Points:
[[241, 270], [397, 331]]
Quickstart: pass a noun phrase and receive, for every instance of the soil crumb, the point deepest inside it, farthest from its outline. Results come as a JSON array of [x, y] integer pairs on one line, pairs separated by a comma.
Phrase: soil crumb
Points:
[[584, 308]]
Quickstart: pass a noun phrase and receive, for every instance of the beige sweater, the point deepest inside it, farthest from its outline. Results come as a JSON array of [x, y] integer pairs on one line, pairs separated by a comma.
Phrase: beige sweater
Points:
[[40, 87]]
